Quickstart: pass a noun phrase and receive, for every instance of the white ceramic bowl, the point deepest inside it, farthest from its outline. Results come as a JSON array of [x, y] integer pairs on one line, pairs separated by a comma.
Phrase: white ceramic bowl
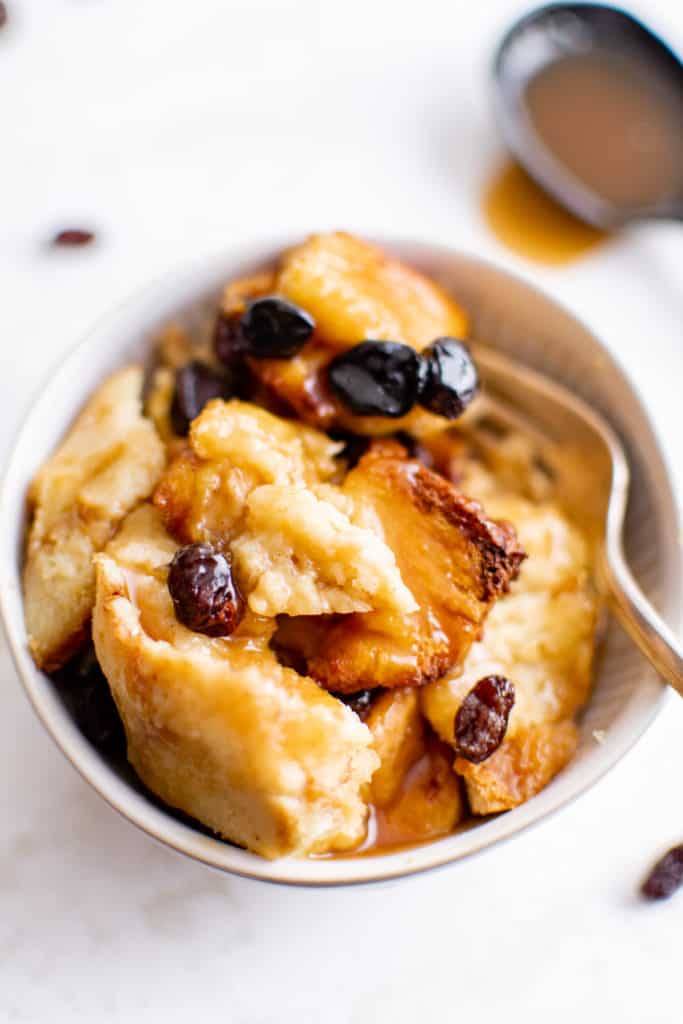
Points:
[[505, 313]]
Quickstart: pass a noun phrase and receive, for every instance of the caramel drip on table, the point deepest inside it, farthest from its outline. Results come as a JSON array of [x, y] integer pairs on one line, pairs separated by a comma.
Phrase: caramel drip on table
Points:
[[529, 221]]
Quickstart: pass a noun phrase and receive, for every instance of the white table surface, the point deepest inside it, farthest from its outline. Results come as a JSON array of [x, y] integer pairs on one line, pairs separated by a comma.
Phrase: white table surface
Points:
[[175, 128]]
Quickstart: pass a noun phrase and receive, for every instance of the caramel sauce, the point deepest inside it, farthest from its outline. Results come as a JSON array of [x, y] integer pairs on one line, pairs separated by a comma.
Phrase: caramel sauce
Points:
[[615, 126], [381, 841], [429, 805], [391, 831], [384, 837], [613, 123], [529, 221]]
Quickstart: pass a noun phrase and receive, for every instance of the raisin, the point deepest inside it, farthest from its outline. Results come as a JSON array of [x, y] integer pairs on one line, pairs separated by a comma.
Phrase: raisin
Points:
[[666, 876], [229, 344], [451, 379], [3, 15], [274, 328], [377, 378], [360, 702], [482, 718], [195, 385], [73, 236], [205, 596], [86, 692]]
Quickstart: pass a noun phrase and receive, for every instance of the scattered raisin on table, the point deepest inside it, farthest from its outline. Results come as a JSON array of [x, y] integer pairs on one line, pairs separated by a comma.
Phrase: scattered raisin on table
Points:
[[377, 378], [451, 380], [666, 876], [273, 328], [482, 718], [205, 596], [86, 693], [73, 236], [195, 385]]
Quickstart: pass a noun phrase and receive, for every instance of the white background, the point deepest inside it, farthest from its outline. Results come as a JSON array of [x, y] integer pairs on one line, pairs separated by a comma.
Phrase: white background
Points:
[[175, 128]]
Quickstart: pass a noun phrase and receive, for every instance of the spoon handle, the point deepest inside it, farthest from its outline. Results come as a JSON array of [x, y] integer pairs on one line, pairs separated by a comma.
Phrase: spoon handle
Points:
[[647, 629]]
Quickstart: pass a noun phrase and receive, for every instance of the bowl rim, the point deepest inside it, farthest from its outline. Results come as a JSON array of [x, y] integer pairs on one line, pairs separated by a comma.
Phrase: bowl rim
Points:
[[152, 819]]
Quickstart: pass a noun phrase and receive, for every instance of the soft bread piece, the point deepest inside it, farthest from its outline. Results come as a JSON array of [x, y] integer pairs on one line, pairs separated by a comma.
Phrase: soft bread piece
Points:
[[109, 461], [233, 448], [398, 730], [429, 803], [355, 291], [300, 554], [274, 450], [454, 561], [541, 636], [218, 728], [202, 500], [256, 483]]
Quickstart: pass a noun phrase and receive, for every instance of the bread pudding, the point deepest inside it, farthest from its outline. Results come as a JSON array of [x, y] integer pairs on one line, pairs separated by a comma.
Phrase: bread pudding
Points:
[[317, 616]]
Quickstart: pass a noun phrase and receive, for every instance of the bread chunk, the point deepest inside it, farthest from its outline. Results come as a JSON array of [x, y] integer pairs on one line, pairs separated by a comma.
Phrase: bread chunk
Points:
[[255, 484], [355, 291], [521, 767], [275, 450], [217, 727], [430, 802], [415, 793], [109, 461], [454, 561], [541, 636], [233, 448], [300, 554], [395, 721]]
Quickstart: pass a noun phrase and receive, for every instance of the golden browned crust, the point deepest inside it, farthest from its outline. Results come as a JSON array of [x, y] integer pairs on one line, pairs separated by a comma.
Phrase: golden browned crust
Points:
[[301, 382], [541, 636], [500, 553], [454, 561], [520, 768], [198, 500], [354, 291]]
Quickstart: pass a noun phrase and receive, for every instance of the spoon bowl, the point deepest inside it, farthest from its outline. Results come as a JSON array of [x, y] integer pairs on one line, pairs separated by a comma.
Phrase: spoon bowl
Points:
[[590, 102]]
